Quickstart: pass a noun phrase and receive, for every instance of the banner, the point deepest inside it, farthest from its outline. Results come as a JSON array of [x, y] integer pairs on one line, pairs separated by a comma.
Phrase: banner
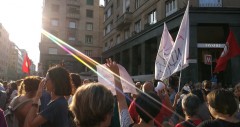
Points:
[[163, 54], [107, 79], [26, 64], [231, 49], [180, 52]]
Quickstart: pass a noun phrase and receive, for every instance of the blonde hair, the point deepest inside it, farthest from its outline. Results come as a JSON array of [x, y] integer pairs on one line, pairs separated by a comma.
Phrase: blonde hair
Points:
[[91, 104]]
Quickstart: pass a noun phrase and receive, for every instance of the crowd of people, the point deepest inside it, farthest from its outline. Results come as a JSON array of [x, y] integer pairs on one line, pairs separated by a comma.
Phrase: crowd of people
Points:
[[63, 99]]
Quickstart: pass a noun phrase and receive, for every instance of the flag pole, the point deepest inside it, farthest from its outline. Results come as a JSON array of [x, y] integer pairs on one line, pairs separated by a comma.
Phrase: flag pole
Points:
[[179, 82], [211, 69]]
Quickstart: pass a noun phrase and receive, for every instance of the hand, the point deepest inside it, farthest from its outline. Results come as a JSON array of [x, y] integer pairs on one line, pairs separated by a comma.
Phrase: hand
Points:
[[177, 96], [40, 89], [112, 65]]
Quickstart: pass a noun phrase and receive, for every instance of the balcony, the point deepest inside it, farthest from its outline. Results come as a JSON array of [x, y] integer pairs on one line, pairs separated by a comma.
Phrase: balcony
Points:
[[207, 3], [73, 15], [124, 20], [73, 2]]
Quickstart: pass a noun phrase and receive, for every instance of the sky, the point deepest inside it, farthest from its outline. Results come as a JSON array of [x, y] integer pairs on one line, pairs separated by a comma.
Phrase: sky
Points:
[[22, 19]]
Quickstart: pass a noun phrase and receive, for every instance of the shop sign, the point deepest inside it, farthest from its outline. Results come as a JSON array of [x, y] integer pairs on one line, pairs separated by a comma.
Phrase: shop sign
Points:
[[210, 45]]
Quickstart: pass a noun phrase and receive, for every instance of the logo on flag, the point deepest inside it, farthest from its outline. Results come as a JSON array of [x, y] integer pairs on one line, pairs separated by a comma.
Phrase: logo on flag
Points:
[[231, 49]]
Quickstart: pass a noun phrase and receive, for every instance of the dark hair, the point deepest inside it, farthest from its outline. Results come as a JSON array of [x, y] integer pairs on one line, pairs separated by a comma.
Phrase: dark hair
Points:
[[190, 104], [146, 107], [223, 101], [13, 86], [61, 80], [76, 80], [199, 94]]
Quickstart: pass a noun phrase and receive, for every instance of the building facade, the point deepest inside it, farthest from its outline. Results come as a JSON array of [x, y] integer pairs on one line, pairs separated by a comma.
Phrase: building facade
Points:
[[4, 51], [133, 28], [13, 62], [76, 22]]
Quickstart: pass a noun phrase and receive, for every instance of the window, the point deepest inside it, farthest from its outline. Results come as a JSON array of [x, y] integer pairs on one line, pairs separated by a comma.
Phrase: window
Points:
[[73, 9], [126, 34], [89, 13], [111, 43], [152, 17], [52, 51], [89, 2], [171, 7], [54, 22], [72, 24], [71, 38], [137, 26], [127, 5], [55, 8], [118, 39], [210, 3], [88, 52], [109, 12], [137, 4], [108, 28], [89, 26], [89, 39]]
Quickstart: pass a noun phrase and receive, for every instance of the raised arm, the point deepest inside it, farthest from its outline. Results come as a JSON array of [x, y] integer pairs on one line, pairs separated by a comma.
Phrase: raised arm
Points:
[[33, 119], [125, 119], [122, 104]]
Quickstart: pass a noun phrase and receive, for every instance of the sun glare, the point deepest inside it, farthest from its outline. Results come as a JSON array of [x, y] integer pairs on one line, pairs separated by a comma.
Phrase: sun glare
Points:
[[22, 20]]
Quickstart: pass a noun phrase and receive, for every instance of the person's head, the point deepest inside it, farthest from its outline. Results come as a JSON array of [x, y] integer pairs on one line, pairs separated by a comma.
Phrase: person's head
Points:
[[148, 86], [13, 86], [86, 81], [76, 81], [221, 101], [29, 85], [190, 104], [237, 90], [198, 85], [58, 81], [138, 85], [18, 82], [92, 105], [186, 89], [146, 107], [207, 84], [200, 94], [5, 84]]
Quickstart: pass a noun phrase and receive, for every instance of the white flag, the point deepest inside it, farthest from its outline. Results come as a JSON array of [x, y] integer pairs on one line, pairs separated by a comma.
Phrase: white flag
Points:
[[107, 79], [179, 54], [163, 54]]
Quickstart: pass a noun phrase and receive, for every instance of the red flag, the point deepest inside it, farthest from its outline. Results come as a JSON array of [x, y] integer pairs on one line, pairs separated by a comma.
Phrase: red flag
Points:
[[231, 49], [26, 64]]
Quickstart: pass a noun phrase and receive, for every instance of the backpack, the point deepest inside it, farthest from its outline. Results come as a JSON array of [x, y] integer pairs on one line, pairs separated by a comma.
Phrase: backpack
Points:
[[9, 112], [3, 98]]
